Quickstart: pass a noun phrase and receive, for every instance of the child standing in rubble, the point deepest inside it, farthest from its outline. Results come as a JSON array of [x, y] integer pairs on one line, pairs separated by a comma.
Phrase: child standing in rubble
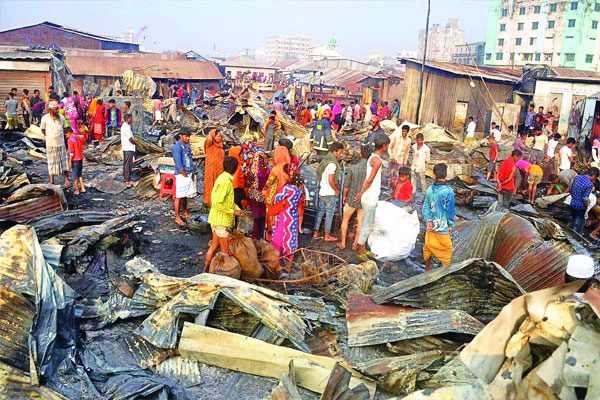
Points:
[[113, 118], [438, 211], [75, 145]]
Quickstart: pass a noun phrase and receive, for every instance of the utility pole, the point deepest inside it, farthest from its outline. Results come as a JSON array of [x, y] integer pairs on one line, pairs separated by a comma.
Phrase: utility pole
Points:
[[423, 63]]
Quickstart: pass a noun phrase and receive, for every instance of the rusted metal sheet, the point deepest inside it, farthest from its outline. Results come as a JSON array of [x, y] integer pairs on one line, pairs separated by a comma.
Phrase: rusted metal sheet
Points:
[[401, 375], [28, 209], [370, 323], [16, 385], [17, 260], [518, 244], [338, 386], [145, 354], [16, 319], [426, 343], [491, 73], [477, 287]]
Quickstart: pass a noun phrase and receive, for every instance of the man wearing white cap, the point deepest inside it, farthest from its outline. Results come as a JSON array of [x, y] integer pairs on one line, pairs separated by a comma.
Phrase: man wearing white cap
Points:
[[580, 267], [52, 126]]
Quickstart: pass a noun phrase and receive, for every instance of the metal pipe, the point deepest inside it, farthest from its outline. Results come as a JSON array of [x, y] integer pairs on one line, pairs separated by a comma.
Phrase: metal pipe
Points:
[[423, 63]]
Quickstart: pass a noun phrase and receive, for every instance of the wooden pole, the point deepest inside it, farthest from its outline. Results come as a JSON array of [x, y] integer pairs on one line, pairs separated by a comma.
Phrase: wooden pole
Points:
[[423, 63]]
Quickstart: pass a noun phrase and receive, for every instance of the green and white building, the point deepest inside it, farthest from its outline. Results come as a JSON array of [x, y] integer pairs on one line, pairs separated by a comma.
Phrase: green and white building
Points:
[[553, 32]]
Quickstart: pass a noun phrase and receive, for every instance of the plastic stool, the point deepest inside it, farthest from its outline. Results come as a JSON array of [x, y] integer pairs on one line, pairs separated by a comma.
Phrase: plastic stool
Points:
[[166, 187]]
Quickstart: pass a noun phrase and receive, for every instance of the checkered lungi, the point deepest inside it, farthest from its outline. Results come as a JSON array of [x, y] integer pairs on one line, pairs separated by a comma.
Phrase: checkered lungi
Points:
[[57, 160]]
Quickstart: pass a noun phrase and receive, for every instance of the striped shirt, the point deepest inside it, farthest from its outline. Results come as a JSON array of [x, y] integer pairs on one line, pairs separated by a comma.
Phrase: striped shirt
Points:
[[223, 207]]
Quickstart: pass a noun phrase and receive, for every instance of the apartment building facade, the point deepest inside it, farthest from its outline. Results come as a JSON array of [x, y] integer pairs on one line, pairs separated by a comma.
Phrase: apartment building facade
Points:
[[280, 48], [441, 42], [561, 33], [467, 53]]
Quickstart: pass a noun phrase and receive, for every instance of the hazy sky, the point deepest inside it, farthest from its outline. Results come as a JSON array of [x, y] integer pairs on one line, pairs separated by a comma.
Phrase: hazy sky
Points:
[[360, 27]]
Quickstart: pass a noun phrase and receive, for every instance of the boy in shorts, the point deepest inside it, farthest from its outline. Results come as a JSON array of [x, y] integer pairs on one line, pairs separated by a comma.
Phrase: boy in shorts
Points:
[[534, 178], [75, 143]]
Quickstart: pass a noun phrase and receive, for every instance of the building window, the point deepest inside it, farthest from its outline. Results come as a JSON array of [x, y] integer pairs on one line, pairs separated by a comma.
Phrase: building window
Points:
[[550, 24], [547, 56], [537, 9], [537, 56], [488, 56], [518, 41], [553, 7], [505, 12], [594, 24], [573, 5], [589, 58], [520, 26], [522, 11], [531, 41], [597, 7], [569, 57], [512, 56], [503, 27], [500, 42], [571, 23], [527, 56], [534, 25], [499, 56]]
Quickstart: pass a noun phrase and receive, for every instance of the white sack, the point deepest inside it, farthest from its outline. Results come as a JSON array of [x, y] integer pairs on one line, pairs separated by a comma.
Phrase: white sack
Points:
[[394, 232]]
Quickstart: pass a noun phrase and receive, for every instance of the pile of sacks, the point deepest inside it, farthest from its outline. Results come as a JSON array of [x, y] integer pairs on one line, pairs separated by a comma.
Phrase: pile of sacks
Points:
[[249, 259]]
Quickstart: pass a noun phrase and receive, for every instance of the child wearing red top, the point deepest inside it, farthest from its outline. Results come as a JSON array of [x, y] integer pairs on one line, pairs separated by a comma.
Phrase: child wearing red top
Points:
[[403, 190], [75, 145]]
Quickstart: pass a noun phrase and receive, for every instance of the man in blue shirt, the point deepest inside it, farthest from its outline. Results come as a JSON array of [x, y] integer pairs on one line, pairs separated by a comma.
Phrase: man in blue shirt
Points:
[[580, 190], [438, 211], [184, 170], [529, 118]]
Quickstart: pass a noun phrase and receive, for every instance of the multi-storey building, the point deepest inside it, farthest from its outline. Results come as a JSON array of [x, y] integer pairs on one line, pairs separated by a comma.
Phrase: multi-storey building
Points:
[[441, 41], [466, 53], [554, 32], [281, 47]]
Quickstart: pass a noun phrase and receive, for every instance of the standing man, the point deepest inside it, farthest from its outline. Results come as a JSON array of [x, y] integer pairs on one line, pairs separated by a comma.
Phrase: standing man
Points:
[[48, 93], [396, 111], [540, 146], [385, 111], [566, 154], [128, 147], [231, 107], [357, 113], [355, 177], [320, 137], [321, 82], [529, 118], [12, 116], [184, 169], [328, 176], [52, 127], [13, 91], [376, 130], [113, 118], [311, 82], [271, 126], [505, 179], [157, 106], [421, 156], [494, 151], [369, 195], [36, 116], [399, 151], [26, 107], [470, 131], [438, 211], [277, 105], [580, 190]]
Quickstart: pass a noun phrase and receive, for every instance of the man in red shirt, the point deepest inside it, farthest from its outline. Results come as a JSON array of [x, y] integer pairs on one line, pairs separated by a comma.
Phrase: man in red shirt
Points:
[[494, 149], [505, 179]]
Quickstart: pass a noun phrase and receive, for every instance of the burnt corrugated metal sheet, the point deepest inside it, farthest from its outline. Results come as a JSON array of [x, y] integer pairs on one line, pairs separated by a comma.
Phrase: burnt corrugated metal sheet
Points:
[[515, 243], [115, 65], [370, 323], [475, 286], [145, 354], [16, 319], [28, 209], [491, 73], [16, 385]]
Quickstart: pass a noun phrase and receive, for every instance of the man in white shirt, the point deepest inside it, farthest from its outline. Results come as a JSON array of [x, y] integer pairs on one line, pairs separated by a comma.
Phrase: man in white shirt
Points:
[[470, 131], [421, 155], [496, 132], [540, 145], [128, 147], [551, 152], [52, 127], [399, 150], [566, 155], [328, 175]]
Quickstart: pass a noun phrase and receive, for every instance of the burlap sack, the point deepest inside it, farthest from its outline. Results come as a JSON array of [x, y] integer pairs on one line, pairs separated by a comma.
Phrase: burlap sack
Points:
[[268, 256], [223, 264], [242, 248]]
